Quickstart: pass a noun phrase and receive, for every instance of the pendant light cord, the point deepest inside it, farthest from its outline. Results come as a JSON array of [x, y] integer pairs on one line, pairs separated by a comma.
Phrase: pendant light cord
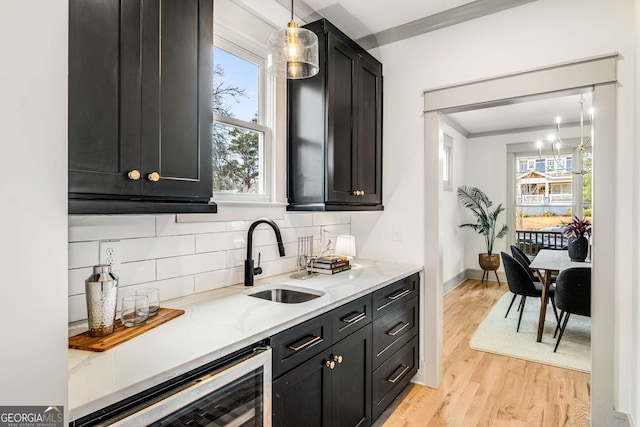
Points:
[[291, 10]]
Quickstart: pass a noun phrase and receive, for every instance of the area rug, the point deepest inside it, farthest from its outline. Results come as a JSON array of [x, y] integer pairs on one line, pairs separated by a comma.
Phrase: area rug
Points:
[[498, 335]]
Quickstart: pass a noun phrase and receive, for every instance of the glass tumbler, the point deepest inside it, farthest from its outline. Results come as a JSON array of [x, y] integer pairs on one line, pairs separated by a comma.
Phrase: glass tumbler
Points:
[[154, 299], [135, 310]]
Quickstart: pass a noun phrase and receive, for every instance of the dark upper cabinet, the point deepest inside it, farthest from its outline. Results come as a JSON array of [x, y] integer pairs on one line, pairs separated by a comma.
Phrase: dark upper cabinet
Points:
[[335, 129], [140, 118]]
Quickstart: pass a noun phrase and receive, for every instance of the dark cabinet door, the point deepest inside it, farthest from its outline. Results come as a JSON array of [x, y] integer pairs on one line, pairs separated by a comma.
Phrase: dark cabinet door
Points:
[[140, 116], [369, 147], [351, 380], [342, 177], [104, 96], [302, 396], [176, 98]]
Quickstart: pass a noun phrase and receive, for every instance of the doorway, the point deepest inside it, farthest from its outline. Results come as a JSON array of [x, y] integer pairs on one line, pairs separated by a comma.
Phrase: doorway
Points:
[[599, 73]]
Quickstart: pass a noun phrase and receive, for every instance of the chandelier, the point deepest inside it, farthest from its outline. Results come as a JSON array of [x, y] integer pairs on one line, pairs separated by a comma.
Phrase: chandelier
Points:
[[558, 145]]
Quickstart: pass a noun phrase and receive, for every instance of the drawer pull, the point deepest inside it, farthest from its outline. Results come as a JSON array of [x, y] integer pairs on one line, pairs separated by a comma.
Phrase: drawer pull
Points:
[[396, 330], [399, 294], [354, 317], [404, 368], [337, 359], [330, 364], [297, 346]]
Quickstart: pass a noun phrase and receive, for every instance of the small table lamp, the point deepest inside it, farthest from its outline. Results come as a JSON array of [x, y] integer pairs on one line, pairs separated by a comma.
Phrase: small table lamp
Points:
[[346, 246]]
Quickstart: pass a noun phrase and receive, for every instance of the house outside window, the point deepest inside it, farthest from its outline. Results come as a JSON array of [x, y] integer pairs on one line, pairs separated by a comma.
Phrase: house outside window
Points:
[[242, 141]]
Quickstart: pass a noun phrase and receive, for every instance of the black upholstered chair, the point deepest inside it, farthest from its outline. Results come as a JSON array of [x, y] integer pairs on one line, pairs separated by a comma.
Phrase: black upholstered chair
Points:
[[573, 296], [520, 283], [521, 256]]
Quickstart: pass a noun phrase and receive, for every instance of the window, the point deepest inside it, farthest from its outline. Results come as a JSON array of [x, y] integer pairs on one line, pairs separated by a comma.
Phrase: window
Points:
[[242, 143], [447, 163]]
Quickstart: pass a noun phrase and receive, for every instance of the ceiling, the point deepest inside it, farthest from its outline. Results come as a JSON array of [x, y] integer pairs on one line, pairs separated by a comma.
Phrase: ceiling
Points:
[[375, 23]]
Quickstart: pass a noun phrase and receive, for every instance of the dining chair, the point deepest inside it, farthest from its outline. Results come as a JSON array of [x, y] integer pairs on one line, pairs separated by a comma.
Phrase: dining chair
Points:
[[524, 259], [573, 296], [520, 283]]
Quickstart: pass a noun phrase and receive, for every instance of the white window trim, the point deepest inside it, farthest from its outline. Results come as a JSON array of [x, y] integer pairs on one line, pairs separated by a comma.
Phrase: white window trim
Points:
[[241, 47], [447, 157]]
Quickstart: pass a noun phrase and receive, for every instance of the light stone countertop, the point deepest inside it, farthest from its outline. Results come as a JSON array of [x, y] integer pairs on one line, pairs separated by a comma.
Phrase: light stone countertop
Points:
[[215, 323]]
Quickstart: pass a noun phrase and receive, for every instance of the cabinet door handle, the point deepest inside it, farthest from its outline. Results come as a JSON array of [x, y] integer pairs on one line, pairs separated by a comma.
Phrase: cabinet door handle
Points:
[[154, 177], [362, 192], [330, 364], [297, 346], [355, 193], [354, 317], [337, 359], [397, 329], [395, 378], [399, 294], [134, 175]]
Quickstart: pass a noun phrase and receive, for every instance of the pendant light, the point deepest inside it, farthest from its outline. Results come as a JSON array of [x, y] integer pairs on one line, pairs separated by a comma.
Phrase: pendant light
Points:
[[293, 52]]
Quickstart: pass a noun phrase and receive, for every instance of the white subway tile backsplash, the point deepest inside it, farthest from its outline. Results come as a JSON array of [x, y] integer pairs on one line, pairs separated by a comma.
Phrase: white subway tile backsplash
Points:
[[296, 219], [77, 308], [218, 279], [166, 225], [212, 242], [77, 276], [191, 264], [182, 258], [110, 227], [131, 273], [83, 254], [157, 247], [331, 218]]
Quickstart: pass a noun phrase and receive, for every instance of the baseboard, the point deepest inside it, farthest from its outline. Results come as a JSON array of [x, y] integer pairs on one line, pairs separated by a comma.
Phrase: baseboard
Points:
[[476, 273], [454, 282], [620, 419]]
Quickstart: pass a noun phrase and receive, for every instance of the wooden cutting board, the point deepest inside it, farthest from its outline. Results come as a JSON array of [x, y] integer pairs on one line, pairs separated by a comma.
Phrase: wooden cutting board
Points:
[[122, 333]]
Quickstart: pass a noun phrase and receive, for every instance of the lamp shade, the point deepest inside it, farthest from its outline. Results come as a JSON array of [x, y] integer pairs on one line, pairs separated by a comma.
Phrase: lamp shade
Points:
[[346, 246], [293, 52]]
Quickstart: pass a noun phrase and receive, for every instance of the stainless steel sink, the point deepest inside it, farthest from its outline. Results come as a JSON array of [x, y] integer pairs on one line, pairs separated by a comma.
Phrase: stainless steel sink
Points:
[[286, 295]]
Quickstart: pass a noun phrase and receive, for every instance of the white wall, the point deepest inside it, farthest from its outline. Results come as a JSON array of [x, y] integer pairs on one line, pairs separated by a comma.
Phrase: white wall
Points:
[[534, 35], [452, 214], [33, 190]]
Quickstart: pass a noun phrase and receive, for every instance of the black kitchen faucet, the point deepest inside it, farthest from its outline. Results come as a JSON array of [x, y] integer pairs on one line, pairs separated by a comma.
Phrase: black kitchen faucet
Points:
[[249, 269]]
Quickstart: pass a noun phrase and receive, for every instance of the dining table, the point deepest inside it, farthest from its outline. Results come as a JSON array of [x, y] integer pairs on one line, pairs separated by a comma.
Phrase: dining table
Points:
[[546, 263]]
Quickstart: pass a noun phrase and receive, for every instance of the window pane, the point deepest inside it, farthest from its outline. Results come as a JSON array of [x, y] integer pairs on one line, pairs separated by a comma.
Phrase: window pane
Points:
[[237, 159], [235, 86]]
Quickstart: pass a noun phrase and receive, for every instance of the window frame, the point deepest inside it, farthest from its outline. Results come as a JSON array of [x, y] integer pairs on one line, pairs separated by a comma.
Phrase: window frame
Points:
[[447, 162], [238, 46]]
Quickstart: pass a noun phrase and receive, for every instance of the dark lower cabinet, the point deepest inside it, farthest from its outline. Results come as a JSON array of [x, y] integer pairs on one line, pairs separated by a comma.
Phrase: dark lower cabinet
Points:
[[333, 388], [140, 120], [343, 368]]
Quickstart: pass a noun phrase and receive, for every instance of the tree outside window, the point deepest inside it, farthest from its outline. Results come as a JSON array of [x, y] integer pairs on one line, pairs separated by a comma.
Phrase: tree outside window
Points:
[[239, 139]]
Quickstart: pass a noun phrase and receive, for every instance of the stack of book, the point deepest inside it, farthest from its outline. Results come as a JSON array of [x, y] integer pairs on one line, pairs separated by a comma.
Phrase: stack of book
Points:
[[330, 264]]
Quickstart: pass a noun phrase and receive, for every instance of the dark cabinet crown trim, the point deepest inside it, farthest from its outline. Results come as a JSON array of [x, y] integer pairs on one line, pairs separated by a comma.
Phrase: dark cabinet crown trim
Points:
[[334, 140], [140, 118]]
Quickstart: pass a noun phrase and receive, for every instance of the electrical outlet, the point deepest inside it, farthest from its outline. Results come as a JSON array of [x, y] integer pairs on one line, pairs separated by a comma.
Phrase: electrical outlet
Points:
[[110, 254], [396, 233]]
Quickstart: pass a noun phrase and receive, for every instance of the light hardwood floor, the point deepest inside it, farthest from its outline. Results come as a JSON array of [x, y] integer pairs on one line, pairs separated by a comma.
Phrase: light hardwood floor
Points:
[[484, 389]]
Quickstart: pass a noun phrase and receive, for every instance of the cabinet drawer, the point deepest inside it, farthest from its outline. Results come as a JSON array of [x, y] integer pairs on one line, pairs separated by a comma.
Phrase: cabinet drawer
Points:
[[394, 329], [299, 343], [393, 375], [391, 296], [350, 317]]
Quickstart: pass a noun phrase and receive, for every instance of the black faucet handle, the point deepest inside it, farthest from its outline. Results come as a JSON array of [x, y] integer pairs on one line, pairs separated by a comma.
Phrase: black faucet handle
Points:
[[257, 270]]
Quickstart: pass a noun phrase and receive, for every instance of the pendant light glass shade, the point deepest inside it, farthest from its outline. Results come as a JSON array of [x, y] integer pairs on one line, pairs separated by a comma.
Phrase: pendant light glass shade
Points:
[[293, 52]]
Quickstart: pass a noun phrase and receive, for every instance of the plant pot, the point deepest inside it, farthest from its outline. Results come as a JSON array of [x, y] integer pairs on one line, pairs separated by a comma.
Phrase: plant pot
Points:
[[489, 262], [578, 248]]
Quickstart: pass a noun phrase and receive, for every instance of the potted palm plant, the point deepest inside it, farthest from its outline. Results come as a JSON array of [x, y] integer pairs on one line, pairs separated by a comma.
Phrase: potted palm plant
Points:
[[486, 223]]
